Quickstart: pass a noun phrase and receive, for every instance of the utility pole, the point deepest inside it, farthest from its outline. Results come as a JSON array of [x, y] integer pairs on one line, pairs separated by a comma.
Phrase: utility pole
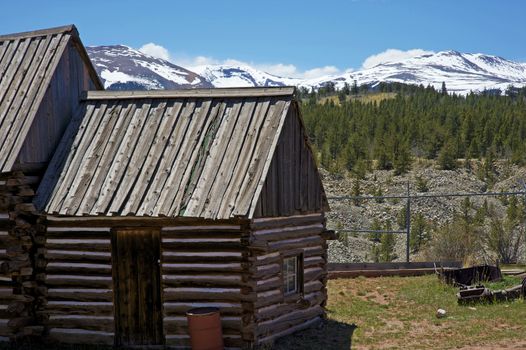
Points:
[[407, 223]]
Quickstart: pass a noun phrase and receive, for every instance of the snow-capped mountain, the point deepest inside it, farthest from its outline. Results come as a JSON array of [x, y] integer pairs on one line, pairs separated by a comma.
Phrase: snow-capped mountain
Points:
[[241, 76], [462, 72], [124, 68]]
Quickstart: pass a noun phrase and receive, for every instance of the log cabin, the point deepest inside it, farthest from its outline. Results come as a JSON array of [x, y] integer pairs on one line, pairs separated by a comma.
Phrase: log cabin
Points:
[[157, 202], [42, 75], [150, 204]]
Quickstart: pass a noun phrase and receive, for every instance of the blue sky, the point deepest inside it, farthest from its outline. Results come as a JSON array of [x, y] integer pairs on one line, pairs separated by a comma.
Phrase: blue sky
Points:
[[285, 37]]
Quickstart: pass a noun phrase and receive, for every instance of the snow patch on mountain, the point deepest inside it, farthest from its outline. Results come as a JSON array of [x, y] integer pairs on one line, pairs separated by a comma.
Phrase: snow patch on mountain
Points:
[[241, 76], [111, 78], [462, 72], [122, 67]]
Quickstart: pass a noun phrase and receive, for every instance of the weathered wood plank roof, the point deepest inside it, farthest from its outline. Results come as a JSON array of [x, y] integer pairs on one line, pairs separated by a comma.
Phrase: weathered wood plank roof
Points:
[[27, 63], [199, 153]]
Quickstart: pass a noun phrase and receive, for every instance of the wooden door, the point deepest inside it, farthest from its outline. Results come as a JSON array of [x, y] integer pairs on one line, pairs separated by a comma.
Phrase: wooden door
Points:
[[137, 287]]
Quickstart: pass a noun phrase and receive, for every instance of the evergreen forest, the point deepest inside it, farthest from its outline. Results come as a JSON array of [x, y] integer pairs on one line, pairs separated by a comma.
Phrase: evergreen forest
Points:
[[350, 131]]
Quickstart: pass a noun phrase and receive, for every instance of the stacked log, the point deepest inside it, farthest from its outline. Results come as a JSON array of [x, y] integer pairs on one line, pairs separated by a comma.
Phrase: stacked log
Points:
[[20, 239], [277, 314], [78, 284], [205, 266]]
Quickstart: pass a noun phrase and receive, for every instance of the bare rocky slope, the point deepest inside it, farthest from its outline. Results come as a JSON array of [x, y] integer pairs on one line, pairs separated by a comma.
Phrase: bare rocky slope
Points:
[[437, 211]]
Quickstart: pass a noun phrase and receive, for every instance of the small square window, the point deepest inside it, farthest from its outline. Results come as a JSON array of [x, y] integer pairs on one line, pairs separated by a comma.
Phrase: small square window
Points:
[[291, 274]]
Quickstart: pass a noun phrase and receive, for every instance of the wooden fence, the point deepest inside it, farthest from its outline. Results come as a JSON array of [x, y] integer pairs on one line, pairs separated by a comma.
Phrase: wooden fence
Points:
[[349, 270]]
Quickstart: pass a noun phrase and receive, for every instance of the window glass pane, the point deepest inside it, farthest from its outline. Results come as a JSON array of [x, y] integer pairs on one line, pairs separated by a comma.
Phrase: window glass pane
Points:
[[292, 265], [290, 273], [291, 285]]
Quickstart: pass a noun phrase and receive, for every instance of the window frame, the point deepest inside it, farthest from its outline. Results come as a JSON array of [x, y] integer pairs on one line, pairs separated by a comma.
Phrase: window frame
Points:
[[298, 291]]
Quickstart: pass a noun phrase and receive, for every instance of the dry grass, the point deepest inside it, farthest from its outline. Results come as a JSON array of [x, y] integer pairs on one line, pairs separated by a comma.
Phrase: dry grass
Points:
[[369, 97], [399, 313]]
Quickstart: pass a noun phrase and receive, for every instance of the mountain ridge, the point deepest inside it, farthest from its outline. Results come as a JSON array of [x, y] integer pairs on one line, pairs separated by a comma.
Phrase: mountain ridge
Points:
[[122, 67]]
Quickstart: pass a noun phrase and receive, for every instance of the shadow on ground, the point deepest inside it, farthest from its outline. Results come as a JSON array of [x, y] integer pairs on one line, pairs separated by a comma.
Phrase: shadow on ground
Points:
[[328, 335], [38, 345]]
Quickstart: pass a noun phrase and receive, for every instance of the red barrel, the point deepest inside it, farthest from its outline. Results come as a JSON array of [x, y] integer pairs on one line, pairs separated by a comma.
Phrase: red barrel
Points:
[[204, 326]]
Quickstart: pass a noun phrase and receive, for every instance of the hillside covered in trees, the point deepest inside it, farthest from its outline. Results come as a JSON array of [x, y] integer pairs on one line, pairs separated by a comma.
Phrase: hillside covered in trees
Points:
[[356, 133], [378, 142]]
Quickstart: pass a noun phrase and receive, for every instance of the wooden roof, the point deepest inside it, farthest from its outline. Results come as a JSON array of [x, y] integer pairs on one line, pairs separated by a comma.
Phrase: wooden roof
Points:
[[195, 153], [27, 63]]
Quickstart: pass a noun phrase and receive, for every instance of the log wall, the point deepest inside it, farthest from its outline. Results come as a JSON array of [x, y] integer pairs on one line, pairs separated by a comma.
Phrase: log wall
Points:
[[202, 265], [232, 265], [78, 284], [6, 287], [19, 243], [206, 266], [276, 314]]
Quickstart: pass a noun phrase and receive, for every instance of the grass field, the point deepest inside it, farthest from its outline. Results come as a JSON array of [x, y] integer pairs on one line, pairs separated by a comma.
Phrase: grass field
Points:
[[370, 97], [399, 313]]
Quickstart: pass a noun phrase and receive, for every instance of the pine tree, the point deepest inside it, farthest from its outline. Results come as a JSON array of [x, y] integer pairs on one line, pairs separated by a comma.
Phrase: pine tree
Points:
[[356, 192], [402, 160], [346, 89], [418, 235], [401, 218], [446, 158], [379, 193], [443, 90], [354, 88], [387, 245], [376, 226]]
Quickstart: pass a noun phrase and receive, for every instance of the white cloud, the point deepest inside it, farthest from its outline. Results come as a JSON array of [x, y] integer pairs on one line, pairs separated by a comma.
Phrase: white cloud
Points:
[[279, 69], [321, 71], [392, 55], [155, 50]]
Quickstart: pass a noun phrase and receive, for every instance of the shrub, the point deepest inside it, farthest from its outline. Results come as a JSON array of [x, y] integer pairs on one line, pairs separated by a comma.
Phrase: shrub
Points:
[[458, 240], [506, 236], [421, 184]]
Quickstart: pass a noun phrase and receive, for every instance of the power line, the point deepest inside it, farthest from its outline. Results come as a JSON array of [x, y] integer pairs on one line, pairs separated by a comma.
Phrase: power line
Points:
[[430, 195], [358, 230]]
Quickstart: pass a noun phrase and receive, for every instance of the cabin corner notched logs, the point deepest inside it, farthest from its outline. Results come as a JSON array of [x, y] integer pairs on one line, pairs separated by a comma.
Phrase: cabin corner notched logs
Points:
[[20, 240], [151, 204], [42, 74]]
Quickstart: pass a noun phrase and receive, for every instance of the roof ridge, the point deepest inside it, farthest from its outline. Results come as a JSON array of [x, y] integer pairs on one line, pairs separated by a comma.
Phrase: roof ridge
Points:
[[40, 32], [195, 93]]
